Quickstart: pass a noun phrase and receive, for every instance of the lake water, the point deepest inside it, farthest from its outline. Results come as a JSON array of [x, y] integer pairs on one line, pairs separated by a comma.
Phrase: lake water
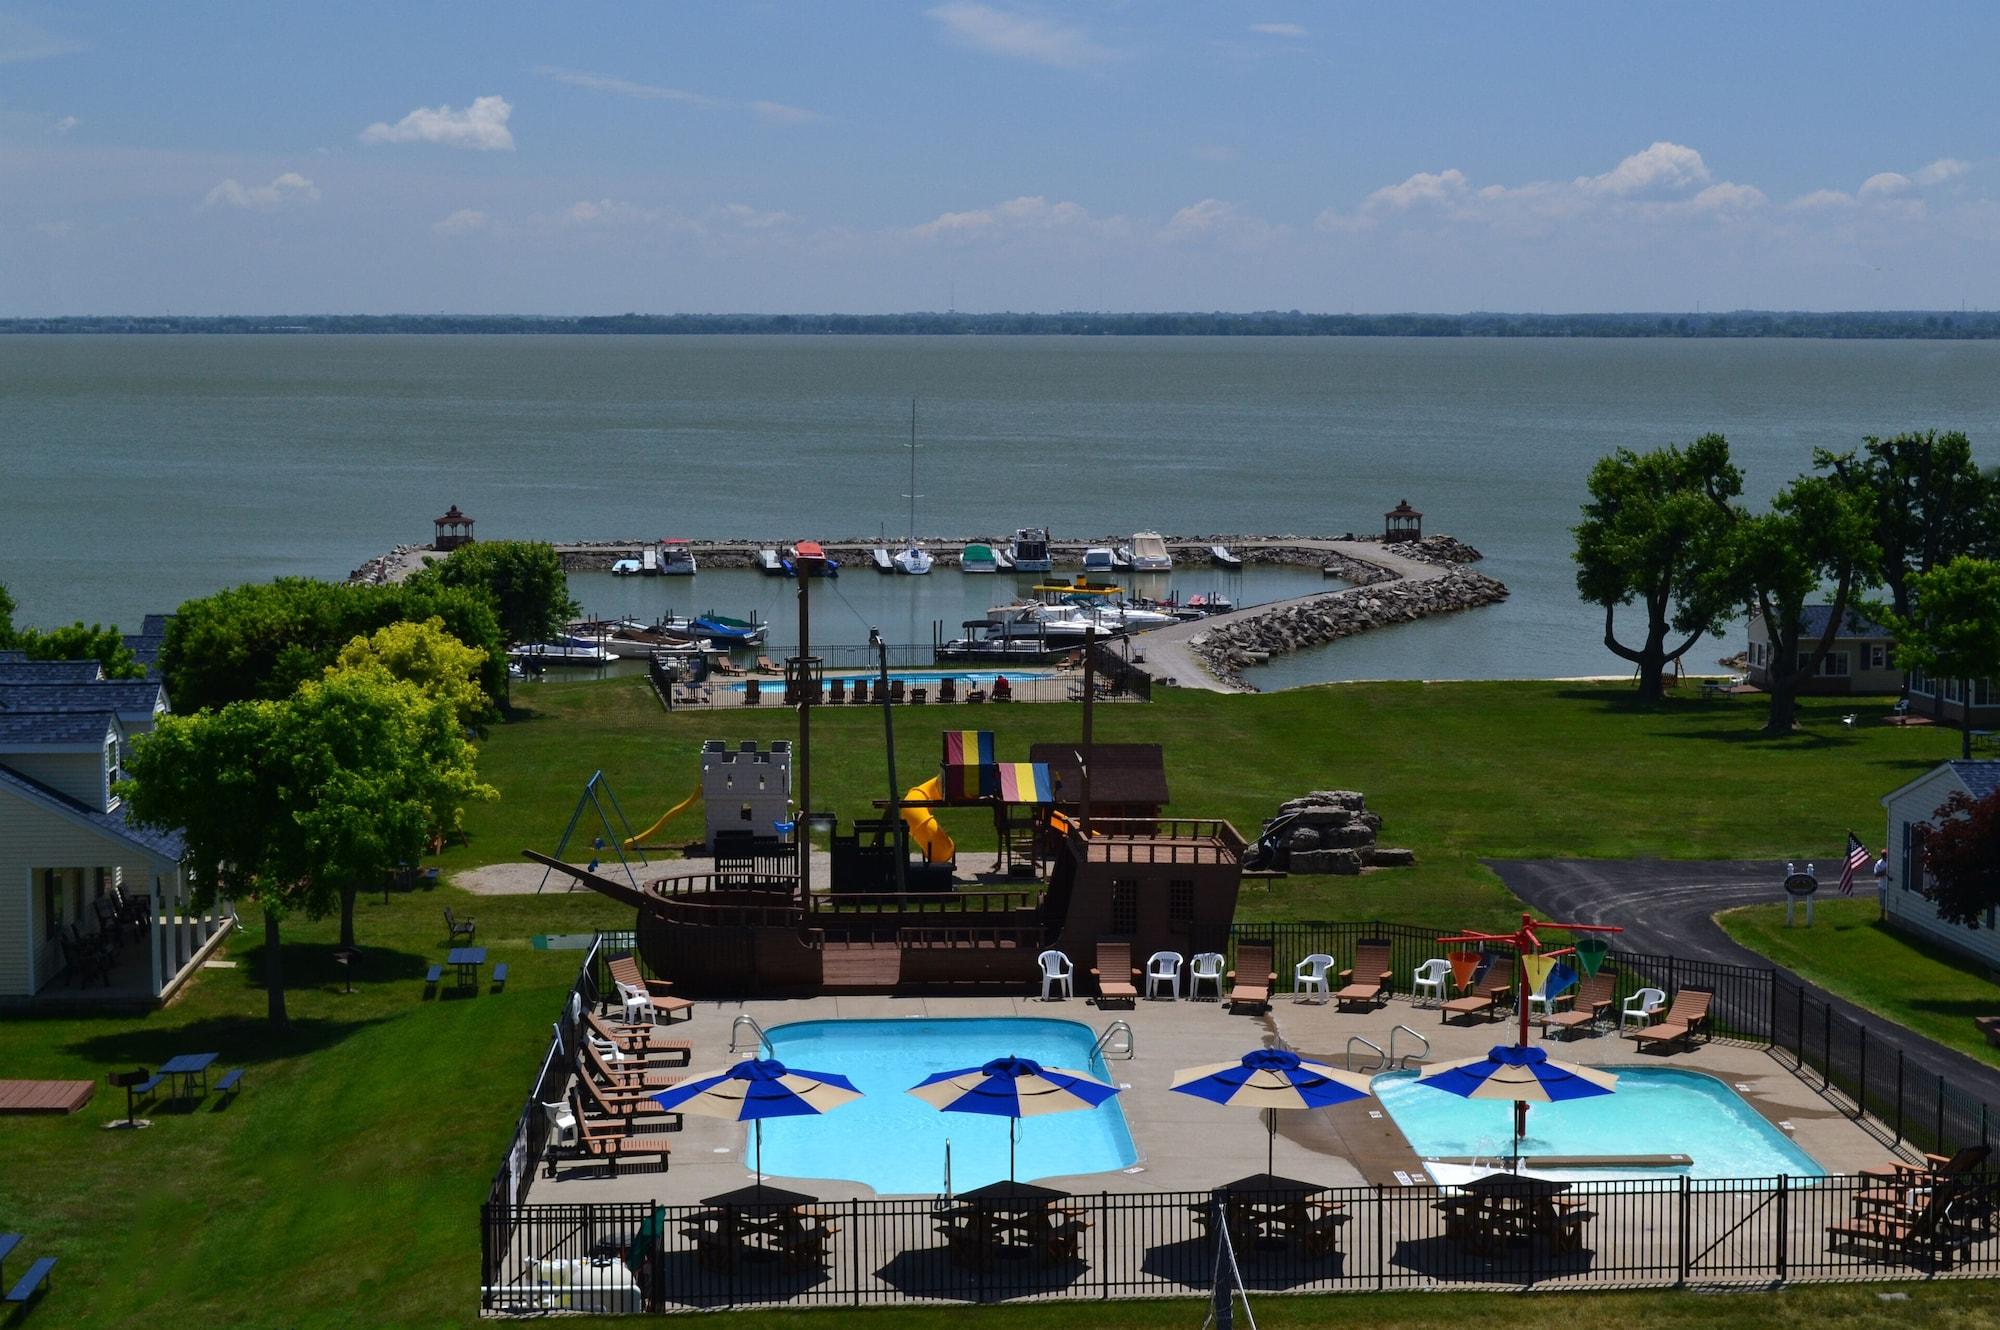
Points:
[[137, 471]]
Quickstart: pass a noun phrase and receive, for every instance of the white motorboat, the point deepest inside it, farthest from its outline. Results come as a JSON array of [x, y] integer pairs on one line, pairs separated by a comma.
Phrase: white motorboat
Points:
[[1099, 559], [1121, 559], [1031, 550], [880, 557], [914, 560], [564, 651], [978, 558], [627, 568], [676, 558], [769, 564], [1149, 553], [1003, 560], [1222, 558]]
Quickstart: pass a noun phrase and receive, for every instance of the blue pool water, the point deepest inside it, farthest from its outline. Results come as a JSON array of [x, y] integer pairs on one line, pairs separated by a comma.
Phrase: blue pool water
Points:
[[1655, 1110], [925, 678], [894, 1142]]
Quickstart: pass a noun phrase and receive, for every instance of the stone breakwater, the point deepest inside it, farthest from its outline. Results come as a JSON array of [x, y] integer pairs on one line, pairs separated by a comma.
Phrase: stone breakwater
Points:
[[1231, 648]]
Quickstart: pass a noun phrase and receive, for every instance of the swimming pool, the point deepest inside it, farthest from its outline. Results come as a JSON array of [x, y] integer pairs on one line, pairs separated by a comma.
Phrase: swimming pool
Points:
[[920, 678], [1655, 1110], [895, 1143]]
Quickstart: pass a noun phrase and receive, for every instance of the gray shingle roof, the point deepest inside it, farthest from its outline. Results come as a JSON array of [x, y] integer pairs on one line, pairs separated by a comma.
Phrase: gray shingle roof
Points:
[[1812, 622], [49, 671], [126, 697], [1981, 778], [44, 728], [12, 657], [167, 845]]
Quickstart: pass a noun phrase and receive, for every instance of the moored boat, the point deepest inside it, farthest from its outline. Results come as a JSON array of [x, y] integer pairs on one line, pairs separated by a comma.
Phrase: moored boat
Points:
[[1222, 558], [1099, 559], [1121, 559], [1149, 553], [723, 630], [1003, 560], [626, 568], [676, 557], [1031, 550], [915, 560], [770, 564], [978, 558], [562, 651], [880, 558]]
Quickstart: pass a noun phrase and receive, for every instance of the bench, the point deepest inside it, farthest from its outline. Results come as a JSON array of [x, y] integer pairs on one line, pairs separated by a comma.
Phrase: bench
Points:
[[457, 928], [230, 1082], [33, 1282], [432, 978], [8, 1241], [499, 976]]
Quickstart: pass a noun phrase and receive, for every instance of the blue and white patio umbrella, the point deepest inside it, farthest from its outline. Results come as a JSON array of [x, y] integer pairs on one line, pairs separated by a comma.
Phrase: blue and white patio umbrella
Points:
[[1015, 1088], [1521, 1075], [755, 1089], [1270, 1079]]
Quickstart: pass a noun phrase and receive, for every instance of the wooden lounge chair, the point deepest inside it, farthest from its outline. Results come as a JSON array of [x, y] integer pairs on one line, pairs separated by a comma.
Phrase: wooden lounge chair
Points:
[[919, 695], [895, 690], [1967, 1160], [1685, 1019], [458, 931], [1002, 690], [1368, 982], [621, 1076], [637, 1038], [1589, 1005], [947, 690], [1115, 974], [753, 692], [624, 972], [722, 664], [1253, 988], [1924, 1232], [608, 1139], [1486, 993], [836, 691], [860, 694], [622, 1103], [766, 666]]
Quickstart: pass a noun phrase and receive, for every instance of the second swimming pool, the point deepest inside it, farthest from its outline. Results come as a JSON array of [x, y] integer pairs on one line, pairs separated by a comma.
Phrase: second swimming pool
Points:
[[895, 1143]]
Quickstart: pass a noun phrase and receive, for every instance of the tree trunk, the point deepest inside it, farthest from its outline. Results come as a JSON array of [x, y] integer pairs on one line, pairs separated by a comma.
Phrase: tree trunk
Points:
[[1784, 708], [274, 972], [1965, 722], [347, 895]]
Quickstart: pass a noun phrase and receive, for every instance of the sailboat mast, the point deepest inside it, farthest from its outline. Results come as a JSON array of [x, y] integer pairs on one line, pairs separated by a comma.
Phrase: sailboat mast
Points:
[[913, 474]]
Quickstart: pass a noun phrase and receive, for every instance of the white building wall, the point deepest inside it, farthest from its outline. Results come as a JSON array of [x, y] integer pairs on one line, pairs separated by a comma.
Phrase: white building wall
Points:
[[1903, 904], [746, 788]]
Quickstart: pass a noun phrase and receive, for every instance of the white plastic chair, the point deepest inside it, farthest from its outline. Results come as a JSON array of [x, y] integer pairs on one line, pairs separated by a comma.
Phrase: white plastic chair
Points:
[[1206, 968], [1309, 975], [1057, 972], [1163, 967], [562, 1123], [1640, 1007], [638, 1005], [1430, 978]]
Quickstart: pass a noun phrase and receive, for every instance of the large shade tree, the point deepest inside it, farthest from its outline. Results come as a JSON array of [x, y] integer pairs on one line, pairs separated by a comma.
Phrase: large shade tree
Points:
[[1656, 533], [1817, 535], [1962, 860], [523, 579], [424, 654], [77, 641], [1928, 501], [1952, 629]]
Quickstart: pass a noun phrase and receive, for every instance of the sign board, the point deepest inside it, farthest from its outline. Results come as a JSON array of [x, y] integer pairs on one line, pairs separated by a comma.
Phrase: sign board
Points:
[[1801, 884]]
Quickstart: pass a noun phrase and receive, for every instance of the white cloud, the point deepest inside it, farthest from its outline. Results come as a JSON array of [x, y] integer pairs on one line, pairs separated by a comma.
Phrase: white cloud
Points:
[[481, 126], [1941, 170], [645, 92], [21, 41], [66, 124], [1728, 197], [289, 188], [1217, 219], [777, 113], [1027, 214], [1664, 166], [752, 219], [1886, 184], [1019, 36], [1421, 188], [1823, 198], [1291, 30], [464, 222]]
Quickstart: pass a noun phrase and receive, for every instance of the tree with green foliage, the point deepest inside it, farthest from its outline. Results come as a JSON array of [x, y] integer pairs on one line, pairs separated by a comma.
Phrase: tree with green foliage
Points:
[[523, 578], [1656, 531], [375, 767], [262, 640], [220, 778], [1952, 630], [1928, 500], [1818, 533], [426, 655], [78, 641]]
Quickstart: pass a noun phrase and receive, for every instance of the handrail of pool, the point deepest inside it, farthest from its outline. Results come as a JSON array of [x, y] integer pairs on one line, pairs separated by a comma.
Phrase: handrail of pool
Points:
[[1352, 1040], [736, 1026], [1109, 1048], [1414, 1034]]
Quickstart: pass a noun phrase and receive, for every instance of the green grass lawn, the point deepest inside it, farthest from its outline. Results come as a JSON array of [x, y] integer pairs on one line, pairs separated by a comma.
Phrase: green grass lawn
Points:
[[1847, 951], [342, 1188]]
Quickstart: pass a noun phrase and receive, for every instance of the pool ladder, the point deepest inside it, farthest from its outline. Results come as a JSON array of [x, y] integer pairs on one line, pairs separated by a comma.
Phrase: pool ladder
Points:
[[1115, 1042], [1390, 1058], [736, 1028]]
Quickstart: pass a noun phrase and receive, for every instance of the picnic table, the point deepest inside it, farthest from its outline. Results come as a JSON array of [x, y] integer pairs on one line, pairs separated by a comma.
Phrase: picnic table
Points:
[[1013, 1220], [187, 1066], [468, 960], [1498, 1209], [760, 1223], [1267, 1211]]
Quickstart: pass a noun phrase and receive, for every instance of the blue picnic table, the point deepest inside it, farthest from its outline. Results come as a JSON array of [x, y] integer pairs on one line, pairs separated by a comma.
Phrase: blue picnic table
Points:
[[468, 960], [188, 1066]]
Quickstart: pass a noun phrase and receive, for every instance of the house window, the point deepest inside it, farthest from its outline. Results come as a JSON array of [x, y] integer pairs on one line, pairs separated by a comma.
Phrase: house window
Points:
[[1834, 666], [1878, 656], [1180, 901], [52, 905], [113, 773], [1952, 691], [1920, 683], [1124, 907]]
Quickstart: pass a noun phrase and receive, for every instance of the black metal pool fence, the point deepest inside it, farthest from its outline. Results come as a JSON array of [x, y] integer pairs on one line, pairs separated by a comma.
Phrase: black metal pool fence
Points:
[[1672, 1231]]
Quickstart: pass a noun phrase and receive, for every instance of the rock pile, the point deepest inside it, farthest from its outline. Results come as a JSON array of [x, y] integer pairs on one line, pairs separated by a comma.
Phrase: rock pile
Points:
[[1327, 831], [1252, 639]]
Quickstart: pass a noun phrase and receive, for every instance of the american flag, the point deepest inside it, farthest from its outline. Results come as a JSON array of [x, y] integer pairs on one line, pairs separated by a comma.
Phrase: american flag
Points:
[[1857, 859]]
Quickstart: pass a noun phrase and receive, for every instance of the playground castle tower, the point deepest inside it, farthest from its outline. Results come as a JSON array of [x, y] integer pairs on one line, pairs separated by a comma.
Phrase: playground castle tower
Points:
[[747, 789]]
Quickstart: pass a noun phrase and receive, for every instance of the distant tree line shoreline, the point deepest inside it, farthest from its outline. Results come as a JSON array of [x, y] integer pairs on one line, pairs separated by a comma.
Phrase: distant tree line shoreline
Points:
[[1923, 325]]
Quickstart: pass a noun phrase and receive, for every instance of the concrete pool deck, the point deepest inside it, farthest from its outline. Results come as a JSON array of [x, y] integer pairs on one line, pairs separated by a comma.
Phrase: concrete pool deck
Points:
[[1186, 1144]]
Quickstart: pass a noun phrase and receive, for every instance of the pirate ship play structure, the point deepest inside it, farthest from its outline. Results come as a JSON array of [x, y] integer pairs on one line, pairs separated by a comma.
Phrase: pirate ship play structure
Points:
[[758, 924]]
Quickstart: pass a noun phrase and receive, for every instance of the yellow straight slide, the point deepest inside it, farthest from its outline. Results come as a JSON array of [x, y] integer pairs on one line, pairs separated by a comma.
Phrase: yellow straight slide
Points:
[[925, 830]]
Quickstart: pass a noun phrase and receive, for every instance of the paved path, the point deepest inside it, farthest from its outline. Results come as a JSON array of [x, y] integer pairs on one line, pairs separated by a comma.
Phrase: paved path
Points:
[[1670, 907], [1167, 650]]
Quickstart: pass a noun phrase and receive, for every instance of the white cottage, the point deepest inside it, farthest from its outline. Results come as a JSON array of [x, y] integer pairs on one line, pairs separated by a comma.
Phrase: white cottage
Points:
[[69, 855], [1910, 809]]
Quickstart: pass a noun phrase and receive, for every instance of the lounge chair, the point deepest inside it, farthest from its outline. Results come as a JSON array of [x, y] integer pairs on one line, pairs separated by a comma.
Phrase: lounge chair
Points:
[[1485, 995], [624, 972], [1253, 989], [1368, 983], [947, 690], [610, 1140], [1164, 967], [765, 666], [1309, 976], [974, 695], [623, 1102], [1002, 690], [753, 692], [620, 1076], [1685, 1019], [859, 696], [836, 691], [1966, 1160], [636, 1039], [1057, 972], [919, 695], [1924, 1231], [1545, 1005], [721, 664], [458, 931], [1205, 967], [895, 690], [1115, 974], [1643, 1007], [1589, 1005], [1430, 977]]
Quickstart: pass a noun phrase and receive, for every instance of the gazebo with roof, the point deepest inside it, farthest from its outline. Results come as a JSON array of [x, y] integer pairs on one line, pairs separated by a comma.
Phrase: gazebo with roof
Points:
[[451, 531], [1400, 523]]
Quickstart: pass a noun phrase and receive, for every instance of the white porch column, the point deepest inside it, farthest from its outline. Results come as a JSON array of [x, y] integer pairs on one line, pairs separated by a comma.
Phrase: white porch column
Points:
[[154, 940]]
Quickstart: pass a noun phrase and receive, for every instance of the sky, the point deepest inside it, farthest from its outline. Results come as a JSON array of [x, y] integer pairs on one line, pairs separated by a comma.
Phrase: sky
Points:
[[763, 156]]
